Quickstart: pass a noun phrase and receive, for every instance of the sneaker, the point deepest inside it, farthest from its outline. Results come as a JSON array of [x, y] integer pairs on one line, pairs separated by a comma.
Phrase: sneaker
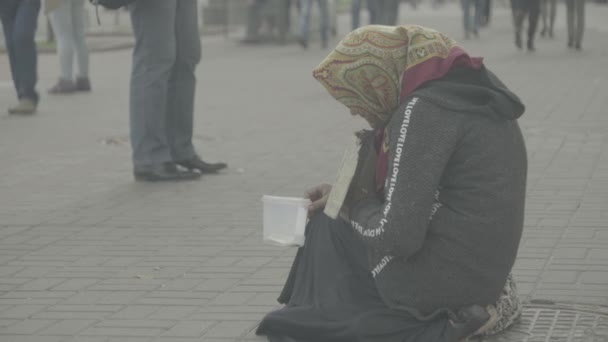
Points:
[[25, 106], [63, 87], [83, 84]]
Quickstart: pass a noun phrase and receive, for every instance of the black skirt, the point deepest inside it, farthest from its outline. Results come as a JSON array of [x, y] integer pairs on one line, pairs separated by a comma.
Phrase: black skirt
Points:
[[330, 296]]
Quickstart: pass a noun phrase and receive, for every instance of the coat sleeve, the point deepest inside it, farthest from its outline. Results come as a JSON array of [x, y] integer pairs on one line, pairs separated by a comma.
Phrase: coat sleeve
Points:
[[421, 142]]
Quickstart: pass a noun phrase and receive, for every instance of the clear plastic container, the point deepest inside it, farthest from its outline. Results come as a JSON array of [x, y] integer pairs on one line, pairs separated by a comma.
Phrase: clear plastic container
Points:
[[285, 220]]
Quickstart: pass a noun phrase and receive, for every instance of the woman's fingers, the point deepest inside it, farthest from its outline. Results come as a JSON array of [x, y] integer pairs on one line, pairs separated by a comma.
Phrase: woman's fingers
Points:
[[312, 194], [318, 196], [318, 204]]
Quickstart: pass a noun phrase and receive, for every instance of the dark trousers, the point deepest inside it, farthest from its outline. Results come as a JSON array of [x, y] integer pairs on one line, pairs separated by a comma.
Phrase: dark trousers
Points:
[[522, 9], [575, 10], [167, 51], [386, 12], [356, 9], [19, 21]]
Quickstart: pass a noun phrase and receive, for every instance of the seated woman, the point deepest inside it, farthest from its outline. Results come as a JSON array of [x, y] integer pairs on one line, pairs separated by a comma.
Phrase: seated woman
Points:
[[429, 229]]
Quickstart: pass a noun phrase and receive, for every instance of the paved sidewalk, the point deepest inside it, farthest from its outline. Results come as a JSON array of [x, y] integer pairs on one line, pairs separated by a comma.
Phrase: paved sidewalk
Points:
[[88, 255]]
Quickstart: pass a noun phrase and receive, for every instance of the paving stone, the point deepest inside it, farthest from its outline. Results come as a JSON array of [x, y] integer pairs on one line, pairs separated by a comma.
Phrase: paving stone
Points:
[[230, 329], [21, 311], [189, 329], [26, 327], [68, 327]]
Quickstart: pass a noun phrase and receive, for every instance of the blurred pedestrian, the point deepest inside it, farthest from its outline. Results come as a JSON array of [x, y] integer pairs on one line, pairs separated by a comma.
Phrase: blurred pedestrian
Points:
[[522, 9], [387, 12], [548, 11], [306, 9], [67, 21], [437, 3], [254, 21], [575, 10], [167, 50], [19, 22], [471, 21], [356, 12], [486, 12]]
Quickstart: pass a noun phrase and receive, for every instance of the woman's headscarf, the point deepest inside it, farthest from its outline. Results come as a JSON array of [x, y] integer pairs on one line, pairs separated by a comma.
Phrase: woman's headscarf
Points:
[[375, 66]]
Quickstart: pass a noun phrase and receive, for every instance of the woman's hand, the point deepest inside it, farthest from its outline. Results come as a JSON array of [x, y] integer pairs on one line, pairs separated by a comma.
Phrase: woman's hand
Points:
[[318, 196]]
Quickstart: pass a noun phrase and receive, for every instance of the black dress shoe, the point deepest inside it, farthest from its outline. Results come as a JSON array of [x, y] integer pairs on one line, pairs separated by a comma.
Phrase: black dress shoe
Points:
[[163, 172], [467, 322], [201, 166]]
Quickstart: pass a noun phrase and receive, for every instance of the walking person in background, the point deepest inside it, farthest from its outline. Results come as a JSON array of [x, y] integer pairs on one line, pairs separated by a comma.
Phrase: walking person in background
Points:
[[486, 6], [575, 10], [522, 9], [67, 21], [471, 22], [548, 10], [167, 50], [356, 13], [306, 9], [387, 12], [19, 22]]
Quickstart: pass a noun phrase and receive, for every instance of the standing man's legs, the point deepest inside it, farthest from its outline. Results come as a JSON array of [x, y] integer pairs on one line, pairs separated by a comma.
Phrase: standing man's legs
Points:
[[479, 8], [372, 8], [387, 12], [580, 24], [544, 13], [154, 56], [182, 81], [393, 12], [20, 20], [153, 59], [167, 50], [533, 15], [356, 14], [570, 21], [254, 18], [324, 24], [487, 12], [552, 14], [466, 16], [519, 14]]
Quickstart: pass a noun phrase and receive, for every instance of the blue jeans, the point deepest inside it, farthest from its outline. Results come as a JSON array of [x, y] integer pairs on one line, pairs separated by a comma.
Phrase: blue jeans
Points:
[[305, 19], [167, 51], [471, 24], [68, 24], [19, 22]]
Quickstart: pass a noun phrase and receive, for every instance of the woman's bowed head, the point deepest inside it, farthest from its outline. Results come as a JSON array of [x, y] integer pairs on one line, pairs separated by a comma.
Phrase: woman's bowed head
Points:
[[374, 67], [430, 203]]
